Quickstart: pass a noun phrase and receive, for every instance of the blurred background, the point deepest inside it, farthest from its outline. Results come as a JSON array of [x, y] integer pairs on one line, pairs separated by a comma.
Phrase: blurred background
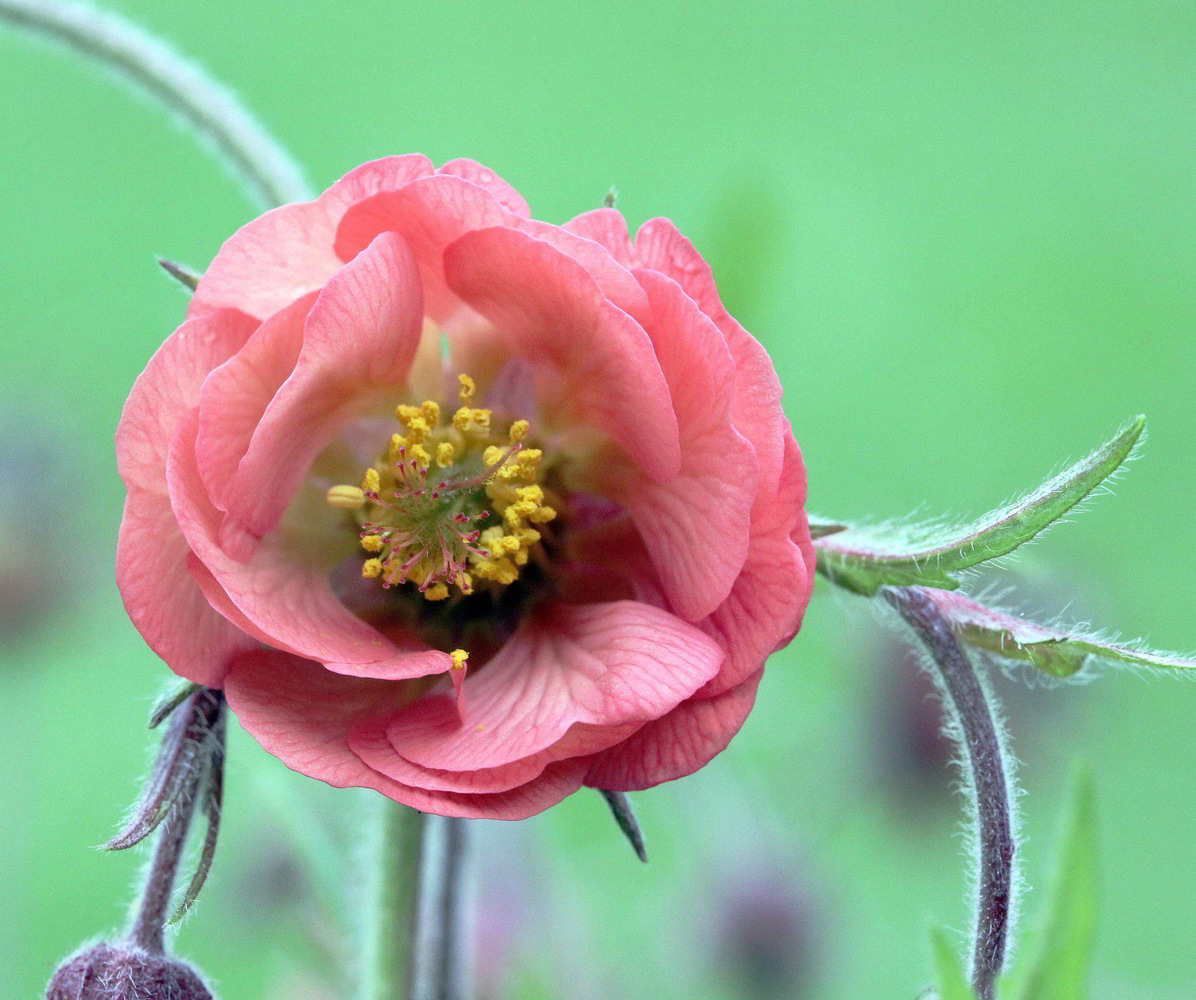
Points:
[[966, 233]]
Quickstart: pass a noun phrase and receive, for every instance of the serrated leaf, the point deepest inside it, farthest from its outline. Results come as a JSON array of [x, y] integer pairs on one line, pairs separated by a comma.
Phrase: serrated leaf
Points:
[[1055, 651], [865, 559], [1060, 967], [948, 972]]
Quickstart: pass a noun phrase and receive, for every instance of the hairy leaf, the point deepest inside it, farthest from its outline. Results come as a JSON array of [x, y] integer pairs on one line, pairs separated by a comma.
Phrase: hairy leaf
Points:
[[865, 559], [1053, 650]]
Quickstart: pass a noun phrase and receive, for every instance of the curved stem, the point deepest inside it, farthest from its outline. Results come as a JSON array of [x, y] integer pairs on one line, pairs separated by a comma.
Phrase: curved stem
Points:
[[182, 87], [985, 760], [396, 898], [441, 964]]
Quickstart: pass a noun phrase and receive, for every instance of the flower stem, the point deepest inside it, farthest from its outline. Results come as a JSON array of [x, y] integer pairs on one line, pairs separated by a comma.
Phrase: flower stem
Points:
[[441, 964], [977, 732], [391, 923], [237, 137]]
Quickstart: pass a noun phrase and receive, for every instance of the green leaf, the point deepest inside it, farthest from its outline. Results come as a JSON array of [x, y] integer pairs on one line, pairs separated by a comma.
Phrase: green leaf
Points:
[[952, 983], [866, 559], [1056, 651], [172, 699], [1060, 967]]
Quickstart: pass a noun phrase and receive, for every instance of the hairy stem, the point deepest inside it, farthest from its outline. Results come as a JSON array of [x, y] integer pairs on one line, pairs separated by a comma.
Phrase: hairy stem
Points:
[[212, 110], [441, 965], [199, 716], [984, 759], [391, 923]]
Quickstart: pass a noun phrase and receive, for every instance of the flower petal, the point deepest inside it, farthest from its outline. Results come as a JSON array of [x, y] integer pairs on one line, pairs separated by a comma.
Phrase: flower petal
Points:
[[287, 602], [682, 742], [593, 362], [288, 251], [600, 665], [302, 715], [484, 177], [361, 336], [695, 526]]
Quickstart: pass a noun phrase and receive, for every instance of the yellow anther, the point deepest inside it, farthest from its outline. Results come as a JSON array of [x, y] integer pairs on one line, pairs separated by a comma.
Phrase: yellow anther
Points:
[[527, 536], [445, 454], [371, 568], [519, 430], [481, 419], [405, 412], [436, 592], [513, 517], [521, 557], [431, 411], [534, 494], [462, 418], [464, 582], [459, 657], [492, 455], [345, 497], [397, 444], [529, 457], [371, 543], [542, 515], [417, 428], [372, 481], [421, 455], [467, 386]]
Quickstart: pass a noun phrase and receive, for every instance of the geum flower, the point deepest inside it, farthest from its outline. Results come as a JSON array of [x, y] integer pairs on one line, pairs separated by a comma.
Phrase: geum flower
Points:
[[461, 506]]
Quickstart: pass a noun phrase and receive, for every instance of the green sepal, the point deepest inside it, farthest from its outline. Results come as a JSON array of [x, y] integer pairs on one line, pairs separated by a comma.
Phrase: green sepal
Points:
[[1055, 651], [865, 559], [1059, 968]]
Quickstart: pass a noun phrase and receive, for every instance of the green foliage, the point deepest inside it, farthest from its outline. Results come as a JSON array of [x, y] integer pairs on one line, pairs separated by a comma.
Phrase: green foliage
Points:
[[865, 559], [1059, 970], [948, 973], [1053, 650]]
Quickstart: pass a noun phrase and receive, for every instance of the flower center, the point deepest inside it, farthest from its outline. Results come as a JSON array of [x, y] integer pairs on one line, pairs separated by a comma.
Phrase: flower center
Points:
[[451, 504]]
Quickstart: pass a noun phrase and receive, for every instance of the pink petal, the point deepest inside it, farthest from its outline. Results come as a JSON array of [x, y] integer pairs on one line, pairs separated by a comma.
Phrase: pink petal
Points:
[[484, 177], [607, 228], [164, 603], [285, 601], [302, 715], [168, 388], [695, 526], [602, 665], [660, 246], [236, 394], [288, 251], [360, 338], [764, 609], [593, 361], [682, 742], [162, 600], [429, 214]]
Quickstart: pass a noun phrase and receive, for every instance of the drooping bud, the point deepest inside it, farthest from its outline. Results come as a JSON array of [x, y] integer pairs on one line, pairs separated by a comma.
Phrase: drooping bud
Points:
[[123, 972]]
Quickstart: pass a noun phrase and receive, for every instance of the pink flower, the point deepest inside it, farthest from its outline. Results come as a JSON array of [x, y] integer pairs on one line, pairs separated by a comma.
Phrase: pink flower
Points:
[[562, 560]]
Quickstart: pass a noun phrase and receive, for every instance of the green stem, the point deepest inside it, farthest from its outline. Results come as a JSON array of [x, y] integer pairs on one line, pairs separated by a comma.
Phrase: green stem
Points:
[[210, 109], [395, 903]]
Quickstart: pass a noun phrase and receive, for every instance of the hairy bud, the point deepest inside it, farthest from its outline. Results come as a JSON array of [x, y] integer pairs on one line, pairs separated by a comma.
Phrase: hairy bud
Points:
[[124, 972]]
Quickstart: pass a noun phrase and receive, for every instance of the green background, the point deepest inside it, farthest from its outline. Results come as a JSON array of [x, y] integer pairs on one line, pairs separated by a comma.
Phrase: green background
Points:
[[964, 231]]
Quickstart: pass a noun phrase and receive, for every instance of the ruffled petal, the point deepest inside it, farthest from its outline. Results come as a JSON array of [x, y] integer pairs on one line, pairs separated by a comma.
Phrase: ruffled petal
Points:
[[288, 251], [598, 665], [302, 714], [360, 338], [236, 394], [286, 602], [607, 228], [695, 526], [484, 177], [682, 742], [594, 364], [159, 595], [429, 214]]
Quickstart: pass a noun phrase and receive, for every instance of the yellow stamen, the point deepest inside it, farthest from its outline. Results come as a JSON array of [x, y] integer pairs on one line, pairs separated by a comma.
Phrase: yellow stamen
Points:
[[371, 543], [542, 515], [436, 592], [345, 497], [372, 481], [445, 452], [467, 386], [371, 568], [431, 411], [459, 657], [519, 430]]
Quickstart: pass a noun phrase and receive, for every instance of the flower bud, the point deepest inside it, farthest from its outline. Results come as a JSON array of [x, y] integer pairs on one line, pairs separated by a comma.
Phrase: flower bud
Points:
[[123, 972]]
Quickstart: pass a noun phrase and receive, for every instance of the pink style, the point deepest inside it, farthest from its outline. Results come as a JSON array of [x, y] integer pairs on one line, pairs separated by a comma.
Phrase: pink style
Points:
[[460, 506]]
